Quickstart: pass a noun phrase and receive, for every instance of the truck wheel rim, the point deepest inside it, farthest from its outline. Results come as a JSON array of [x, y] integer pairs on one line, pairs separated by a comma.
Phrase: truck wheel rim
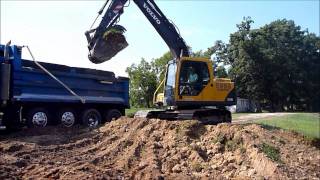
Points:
[[93, 120], [40, 119], [67, 119]]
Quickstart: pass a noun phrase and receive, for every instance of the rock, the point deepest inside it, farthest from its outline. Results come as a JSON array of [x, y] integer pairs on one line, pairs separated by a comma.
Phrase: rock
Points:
[[243, 168], [142, 165], [218, 147], [215, 166], [193, 146], [176, 168], [186, 139], [157, 145], [20, 163], [184, 150], [209, 152], [194, 156], [184, 163], [251, 172], [243, 173], [26, 157], [14, 148]]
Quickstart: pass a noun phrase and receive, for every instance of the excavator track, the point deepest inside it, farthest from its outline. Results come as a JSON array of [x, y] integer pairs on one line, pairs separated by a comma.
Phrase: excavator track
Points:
[[205, 116]]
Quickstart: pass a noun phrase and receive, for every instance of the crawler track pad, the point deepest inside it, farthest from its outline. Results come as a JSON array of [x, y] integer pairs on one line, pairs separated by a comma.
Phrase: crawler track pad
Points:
[[205, 116]]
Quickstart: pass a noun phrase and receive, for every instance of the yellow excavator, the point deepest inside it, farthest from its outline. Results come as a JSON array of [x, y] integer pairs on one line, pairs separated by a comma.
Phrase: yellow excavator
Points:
[[190, 89]]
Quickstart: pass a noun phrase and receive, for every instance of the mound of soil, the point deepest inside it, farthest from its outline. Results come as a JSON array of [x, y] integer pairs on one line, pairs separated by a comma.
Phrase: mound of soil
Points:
[[157, 149]]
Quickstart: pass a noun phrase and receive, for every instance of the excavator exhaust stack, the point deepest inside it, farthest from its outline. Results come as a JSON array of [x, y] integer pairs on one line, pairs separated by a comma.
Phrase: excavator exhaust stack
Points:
[[106, 46]]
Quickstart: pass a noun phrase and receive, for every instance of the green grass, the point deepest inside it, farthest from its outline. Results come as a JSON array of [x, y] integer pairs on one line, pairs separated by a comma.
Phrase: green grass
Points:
[[270, 151], [236, 115], [306, 123], [130, 112]]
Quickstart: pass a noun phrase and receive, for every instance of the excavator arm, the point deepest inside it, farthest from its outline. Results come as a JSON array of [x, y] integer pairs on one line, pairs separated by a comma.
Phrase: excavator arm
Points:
[[98, 45]]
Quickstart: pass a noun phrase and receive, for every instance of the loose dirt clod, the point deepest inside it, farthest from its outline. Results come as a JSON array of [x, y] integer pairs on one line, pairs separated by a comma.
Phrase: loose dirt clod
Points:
[[153, 149]]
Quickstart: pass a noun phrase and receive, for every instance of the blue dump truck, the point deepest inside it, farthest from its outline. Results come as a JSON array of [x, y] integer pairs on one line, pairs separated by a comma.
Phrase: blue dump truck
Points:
[[38, 94]]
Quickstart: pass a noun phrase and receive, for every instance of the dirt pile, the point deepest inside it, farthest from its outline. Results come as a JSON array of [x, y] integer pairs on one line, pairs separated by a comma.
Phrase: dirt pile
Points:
[[154, 149]]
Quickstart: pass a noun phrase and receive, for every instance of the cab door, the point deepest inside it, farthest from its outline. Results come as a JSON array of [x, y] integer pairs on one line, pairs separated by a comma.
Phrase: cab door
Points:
[[169, 88], [193, 78]]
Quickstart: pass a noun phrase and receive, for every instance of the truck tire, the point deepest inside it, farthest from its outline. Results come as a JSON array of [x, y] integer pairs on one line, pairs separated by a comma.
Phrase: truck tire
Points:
[[67, 117], [91, 118], [112, 114], [37, 117]]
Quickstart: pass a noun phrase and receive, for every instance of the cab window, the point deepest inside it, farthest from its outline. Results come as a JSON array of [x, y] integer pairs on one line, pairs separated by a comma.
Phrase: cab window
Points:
[[170, 84], [193, 78]]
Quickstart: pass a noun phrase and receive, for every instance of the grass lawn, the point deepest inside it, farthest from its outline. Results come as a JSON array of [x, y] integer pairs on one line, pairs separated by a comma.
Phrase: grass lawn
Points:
[[132, 111], [305, 123], [236, 115]]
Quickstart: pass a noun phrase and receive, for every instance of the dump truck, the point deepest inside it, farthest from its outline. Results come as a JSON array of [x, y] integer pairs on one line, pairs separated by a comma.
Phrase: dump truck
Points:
[[38, 94]]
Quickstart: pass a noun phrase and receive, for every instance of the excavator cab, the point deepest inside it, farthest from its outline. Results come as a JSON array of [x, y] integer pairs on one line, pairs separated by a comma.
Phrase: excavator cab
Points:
[[190, 82]]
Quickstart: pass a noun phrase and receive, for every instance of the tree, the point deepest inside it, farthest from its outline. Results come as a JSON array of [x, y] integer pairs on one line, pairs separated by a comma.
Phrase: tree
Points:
[[143, 83], [221, 72], [219, 51], [219, 55], [159, 65], [273, 64]]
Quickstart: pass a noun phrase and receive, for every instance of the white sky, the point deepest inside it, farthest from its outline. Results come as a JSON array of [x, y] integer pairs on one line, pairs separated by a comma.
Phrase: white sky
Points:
[[55, 33], [54, 30]]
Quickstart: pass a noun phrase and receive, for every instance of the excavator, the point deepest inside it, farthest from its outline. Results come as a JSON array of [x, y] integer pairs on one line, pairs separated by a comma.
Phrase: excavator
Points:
[[190, 89]]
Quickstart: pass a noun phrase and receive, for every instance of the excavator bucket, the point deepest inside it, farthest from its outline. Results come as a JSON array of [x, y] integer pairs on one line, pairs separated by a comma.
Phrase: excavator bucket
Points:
[[108, 45]]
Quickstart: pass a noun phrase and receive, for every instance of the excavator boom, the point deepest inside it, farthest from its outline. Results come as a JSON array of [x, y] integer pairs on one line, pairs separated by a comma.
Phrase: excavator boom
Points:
[[107, 39]]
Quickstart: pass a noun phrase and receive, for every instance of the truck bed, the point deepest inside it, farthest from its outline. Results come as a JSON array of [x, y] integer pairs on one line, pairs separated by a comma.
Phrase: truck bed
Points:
[[32, 84]]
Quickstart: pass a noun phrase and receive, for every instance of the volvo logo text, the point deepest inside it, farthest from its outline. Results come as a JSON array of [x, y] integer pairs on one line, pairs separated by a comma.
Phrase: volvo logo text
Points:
[[151, 13]]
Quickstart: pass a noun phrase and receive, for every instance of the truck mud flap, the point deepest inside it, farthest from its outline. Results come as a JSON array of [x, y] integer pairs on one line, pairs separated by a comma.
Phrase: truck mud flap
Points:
[[5, 72]]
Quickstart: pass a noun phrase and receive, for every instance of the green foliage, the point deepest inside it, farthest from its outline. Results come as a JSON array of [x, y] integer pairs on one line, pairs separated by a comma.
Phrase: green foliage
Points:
[[159, 65], [219, 138], [221, 72], [231, 145], [219, 55], [145, 78], [196, 166], [143, 83], [270, 151], [277, 64], [113, 30]]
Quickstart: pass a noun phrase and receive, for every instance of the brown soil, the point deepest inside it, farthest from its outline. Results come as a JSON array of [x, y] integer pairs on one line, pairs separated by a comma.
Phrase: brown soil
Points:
[[156, 149]]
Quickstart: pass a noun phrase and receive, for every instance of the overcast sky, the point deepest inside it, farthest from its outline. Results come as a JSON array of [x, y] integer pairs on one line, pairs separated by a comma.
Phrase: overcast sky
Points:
[[54, 30]]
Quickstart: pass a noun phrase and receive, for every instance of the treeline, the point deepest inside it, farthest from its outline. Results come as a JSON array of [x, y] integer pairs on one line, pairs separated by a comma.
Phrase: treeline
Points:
[[277, 65]]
